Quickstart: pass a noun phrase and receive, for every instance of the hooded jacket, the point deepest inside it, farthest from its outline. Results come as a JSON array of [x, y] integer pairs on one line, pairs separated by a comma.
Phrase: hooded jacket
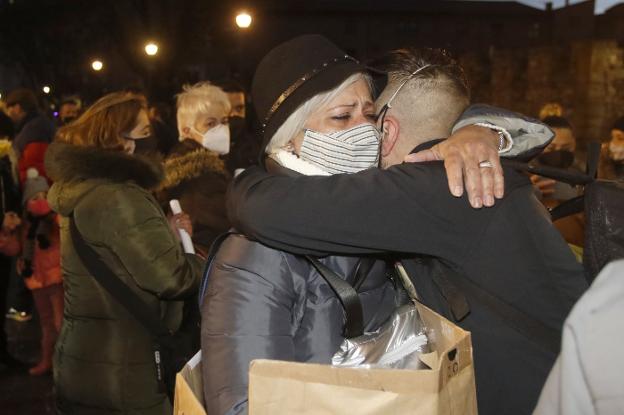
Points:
[[103, 361], [198, 179]]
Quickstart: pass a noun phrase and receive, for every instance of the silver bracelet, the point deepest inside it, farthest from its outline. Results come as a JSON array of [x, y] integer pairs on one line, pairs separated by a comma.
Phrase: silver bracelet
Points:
[[505, 142]]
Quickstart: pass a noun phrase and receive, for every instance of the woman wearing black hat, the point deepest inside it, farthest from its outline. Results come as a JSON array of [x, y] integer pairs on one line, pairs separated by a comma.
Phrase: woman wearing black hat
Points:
[[265, 303]]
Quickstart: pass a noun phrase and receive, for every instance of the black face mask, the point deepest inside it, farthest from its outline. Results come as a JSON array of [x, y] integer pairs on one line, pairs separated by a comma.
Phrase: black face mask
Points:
[[561, 159], [146, 146], [237, 128]]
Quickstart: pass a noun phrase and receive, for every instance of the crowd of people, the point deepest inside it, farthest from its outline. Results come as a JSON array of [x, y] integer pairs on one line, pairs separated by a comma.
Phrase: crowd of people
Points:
[[351, 168]]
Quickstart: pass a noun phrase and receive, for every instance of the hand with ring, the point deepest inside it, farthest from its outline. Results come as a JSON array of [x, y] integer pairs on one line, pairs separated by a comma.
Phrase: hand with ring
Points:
[[470, 156]]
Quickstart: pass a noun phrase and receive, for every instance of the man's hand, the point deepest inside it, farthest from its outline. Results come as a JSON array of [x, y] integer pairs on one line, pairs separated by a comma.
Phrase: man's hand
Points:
[[462, 152]]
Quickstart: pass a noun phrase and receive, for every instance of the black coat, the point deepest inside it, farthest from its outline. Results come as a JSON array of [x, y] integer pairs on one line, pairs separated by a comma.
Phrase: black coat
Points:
[[511, 250]]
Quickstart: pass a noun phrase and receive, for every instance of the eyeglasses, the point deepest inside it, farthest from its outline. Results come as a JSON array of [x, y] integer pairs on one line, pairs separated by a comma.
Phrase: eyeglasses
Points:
[[388, 105]]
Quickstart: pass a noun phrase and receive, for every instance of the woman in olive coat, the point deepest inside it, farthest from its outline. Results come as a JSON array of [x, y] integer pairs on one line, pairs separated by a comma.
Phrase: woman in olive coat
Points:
[[104, 360]]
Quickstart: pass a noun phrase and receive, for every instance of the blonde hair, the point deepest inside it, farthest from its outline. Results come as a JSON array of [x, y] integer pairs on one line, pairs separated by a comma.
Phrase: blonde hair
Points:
[[198, 99], [296, 121]]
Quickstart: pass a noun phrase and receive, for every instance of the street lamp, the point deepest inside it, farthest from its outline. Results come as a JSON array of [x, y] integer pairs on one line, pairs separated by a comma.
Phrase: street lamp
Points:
[[97, 65], [243, 20], [46, 89], [151, 49]]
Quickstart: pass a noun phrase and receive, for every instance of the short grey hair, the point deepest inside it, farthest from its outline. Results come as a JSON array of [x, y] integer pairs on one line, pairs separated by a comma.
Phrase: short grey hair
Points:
[[296, 121], [197, 99], [437, 94]]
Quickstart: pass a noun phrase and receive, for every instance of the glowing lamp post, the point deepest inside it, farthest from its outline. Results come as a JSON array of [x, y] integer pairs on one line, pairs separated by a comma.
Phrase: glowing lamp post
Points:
[[46, 89], [97, 65], [151, 49], [243, 20]]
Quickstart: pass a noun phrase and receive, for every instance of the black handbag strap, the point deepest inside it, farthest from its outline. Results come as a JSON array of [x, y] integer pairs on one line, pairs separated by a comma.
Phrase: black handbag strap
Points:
[[362, 270], [575, 205], [102, 273], [348, 296]]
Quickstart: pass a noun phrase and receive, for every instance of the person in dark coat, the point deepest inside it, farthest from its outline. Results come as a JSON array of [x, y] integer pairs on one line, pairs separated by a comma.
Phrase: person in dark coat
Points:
[[472, 265], [243, 135], [195, 172], [266, 303], [9, 217], [34, 131]]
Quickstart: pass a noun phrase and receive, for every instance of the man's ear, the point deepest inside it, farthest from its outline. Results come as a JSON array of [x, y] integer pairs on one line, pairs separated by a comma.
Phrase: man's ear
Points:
[[186, 131], [389, 135]]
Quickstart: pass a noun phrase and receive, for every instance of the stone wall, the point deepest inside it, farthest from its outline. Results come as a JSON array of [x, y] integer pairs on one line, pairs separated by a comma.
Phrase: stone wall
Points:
[[585, 77]]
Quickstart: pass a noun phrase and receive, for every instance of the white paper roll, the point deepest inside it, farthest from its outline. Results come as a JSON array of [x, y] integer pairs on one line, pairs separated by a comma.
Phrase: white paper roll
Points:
[[187, 243]]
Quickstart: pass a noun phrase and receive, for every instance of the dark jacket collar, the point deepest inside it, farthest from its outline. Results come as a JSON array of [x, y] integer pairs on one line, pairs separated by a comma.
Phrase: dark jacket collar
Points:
[[67, 163], [426, 145]]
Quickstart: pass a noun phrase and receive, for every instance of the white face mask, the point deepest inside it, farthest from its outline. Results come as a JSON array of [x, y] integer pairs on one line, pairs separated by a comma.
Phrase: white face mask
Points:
[[617, 151], [217, 139], [347, 151]]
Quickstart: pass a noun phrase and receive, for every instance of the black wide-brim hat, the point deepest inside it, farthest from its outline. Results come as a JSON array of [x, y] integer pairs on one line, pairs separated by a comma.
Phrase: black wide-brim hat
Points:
[[292, 73]]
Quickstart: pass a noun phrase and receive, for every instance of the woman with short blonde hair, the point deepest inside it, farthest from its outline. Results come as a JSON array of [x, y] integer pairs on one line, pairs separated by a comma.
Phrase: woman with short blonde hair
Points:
[[202, 113]]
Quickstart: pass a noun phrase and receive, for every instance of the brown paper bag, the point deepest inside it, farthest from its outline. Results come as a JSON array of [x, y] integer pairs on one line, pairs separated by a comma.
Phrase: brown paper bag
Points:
[[277, 387], [189, 394]]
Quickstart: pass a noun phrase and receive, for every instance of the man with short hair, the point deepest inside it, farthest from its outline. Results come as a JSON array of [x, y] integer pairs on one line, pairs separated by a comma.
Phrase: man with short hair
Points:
[[34, 131], [560, 153], [612, 156], [69, 110], [503, 273], [245, 147]]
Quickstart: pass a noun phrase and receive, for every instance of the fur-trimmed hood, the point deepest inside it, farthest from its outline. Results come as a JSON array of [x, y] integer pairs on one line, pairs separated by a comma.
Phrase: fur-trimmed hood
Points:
[[77, 170], [70, 163], [190, 164]]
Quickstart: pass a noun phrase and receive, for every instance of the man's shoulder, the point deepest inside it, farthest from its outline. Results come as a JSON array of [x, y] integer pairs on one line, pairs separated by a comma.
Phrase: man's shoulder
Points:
[[40, 128]]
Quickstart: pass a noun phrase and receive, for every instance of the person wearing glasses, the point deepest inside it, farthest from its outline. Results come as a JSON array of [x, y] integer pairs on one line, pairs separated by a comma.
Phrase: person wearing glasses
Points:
[[262, 302], [502, 272]]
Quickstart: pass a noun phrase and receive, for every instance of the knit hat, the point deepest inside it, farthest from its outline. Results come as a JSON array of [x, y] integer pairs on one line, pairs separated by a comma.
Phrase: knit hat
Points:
[[34, 184], [292, 73]]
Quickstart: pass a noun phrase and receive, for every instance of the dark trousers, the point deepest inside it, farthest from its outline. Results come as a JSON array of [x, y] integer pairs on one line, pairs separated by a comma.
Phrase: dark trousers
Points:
[[20, 297], [5, 274]]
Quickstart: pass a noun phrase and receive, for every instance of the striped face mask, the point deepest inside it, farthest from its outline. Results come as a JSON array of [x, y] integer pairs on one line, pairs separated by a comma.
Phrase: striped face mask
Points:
[[347, 151]]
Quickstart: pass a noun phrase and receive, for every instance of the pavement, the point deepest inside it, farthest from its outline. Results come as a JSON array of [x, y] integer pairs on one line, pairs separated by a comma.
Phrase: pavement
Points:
[[21, 393]]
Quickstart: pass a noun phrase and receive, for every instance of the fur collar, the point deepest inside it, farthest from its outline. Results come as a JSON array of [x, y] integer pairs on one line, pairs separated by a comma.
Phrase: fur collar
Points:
[[293, 162], [68, 163], [195, 163]]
